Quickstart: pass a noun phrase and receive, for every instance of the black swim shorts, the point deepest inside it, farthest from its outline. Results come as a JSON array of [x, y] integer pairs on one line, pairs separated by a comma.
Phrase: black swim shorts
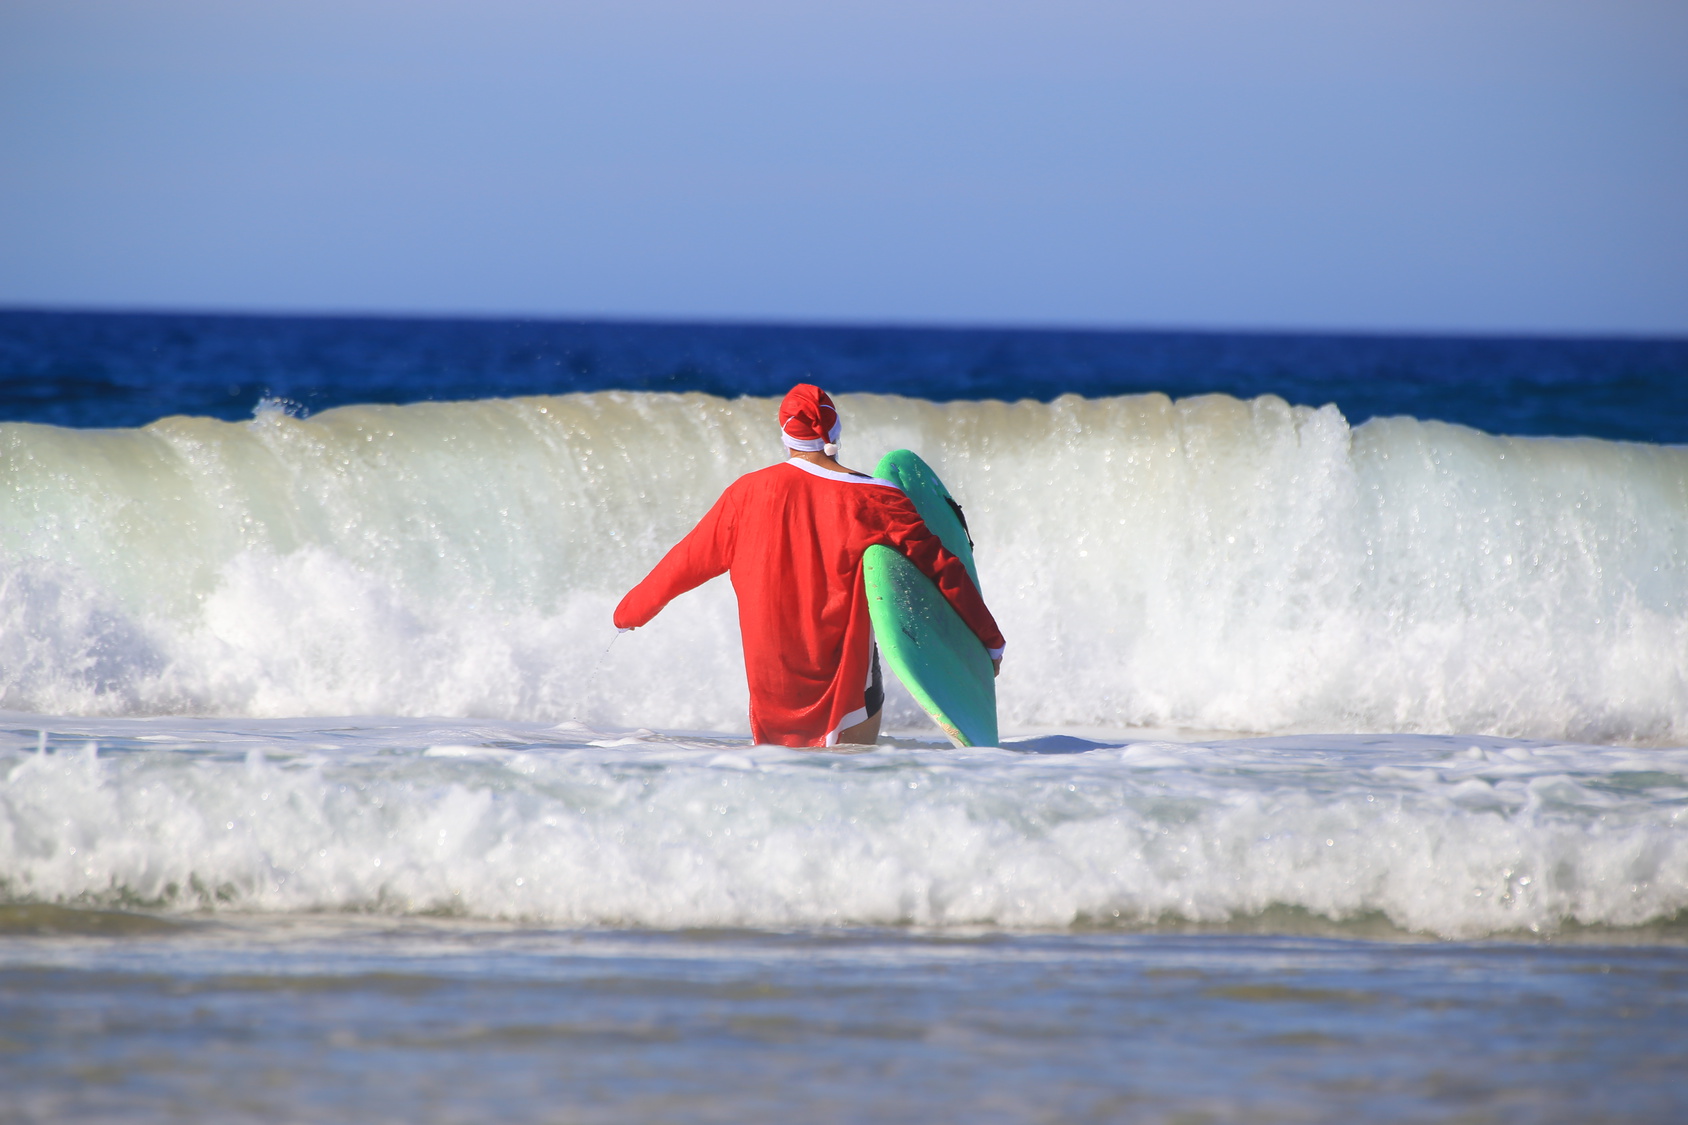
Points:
[[875, 687]]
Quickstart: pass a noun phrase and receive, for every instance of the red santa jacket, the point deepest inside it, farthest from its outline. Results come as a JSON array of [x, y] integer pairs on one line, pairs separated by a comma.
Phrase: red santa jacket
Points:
[[793, 535]]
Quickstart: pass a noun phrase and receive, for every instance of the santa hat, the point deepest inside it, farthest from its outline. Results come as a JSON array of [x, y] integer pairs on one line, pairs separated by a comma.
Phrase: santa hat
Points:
[[809, 421]]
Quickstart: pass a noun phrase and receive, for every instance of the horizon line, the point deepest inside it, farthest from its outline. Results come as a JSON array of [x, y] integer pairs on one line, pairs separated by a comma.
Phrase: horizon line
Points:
[[843, 324]]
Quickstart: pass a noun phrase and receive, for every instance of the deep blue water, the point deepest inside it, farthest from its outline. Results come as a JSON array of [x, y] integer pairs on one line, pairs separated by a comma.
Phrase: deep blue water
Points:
[[108, 369]]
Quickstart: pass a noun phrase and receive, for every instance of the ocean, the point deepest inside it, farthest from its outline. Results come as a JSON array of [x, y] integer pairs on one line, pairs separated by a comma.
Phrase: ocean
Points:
[[1344, 772]]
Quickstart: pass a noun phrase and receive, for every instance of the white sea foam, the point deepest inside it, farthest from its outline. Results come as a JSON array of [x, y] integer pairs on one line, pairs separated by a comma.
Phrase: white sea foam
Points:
[[1445, 836], [1207, 563]]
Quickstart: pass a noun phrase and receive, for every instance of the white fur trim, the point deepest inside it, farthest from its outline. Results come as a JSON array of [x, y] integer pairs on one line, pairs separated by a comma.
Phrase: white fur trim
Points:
[[859, 715], [815, 445], [847, 478], [806, 445]]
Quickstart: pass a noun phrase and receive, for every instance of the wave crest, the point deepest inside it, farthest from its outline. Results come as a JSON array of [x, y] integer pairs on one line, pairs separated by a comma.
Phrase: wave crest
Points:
[[1209, 562]]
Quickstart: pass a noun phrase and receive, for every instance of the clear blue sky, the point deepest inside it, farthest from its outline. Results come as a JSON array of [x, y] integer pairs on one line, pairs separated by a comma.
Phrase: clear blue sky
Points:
[[1374, 164]]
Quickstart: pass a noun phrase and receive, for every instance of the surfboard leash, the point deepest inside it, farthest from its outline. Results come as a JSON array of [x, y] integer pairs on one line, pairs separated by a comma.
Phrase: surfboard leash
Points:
[[592, 678]]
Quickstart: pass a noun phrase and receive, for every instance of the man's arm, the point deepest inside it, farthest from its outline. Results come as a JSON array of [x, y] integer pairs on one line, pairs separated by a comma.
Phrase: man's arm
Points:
[[908, 533], [704, 553]]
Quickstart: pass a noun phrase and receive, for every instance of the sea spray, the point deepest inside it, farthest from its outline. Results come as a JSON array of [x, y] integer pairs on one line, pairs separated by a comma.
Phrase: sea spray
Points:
[[1207, 562]]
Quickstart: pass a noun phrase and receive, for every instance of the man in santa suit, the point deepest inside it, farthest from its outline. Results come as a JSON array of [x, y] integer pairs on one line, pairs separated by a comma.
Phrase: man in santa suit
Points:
[[792, 537]]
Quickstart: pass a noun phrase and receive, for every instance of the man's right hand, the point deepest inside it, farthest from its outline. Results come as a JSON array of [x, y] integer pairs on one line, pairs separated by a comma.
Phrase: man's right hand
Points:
[[996, 667]]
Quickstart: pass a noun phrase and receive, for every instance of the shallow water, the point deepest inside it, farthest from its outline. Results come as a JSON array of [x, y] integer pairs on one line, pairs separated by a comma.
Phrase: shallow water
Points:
[[568, 924], [336, 1019]]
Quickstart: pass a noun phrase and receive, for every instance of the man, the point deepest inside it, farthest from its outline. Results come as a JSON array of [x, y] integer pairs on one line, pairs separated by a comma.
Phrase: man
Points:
[[792, 535]]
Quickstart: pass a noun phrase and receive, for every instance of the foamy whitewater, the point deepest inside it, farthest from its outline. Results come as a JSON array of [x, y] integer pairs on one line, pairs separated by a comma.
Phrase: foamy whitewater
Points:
[[1207, 563], [1457, 838], [1496, 604]]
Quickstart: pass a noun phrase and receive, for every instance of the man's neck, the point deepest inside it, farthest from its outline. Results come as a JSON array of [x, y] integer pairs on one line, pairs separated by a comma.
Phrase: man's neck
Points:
[[821, 460]]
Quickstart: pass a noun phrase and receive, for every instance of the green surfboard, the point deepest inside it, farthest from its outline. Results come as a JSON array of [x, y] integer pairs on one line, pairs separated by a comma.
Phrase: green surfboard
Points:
[[921, 637]]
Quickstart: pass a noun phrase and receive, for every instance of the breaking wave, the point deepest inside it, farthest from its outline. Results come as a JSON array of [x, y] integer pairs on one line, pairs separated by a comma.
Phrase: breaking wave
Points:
[[1208, 563]]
